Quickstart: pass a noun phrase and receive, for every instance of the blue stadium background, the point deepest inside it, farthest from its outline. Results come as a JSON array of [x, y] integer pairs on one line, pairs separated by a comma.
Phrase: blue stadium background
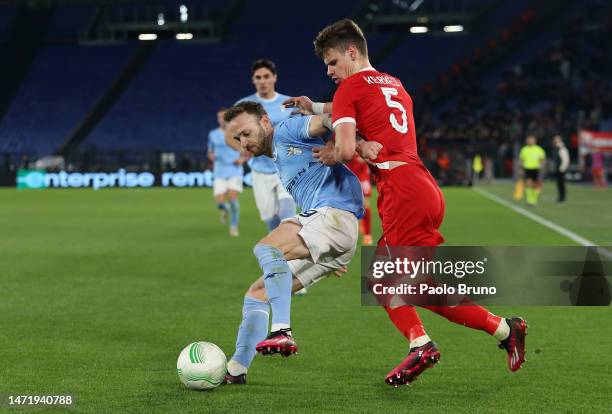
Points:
[[76, 81]]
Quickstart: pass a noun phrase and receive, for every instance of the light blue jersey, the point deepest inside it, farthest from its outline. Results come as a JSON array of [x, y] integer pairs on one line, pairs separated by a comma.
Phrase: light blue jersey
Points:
[[310, 183], [224, 156], [277, 112]]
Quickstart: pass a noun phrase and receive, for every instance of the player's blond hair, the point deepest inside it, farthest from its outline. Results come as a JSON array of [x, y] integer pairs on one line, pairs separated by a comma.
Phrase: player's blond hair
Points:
[[340, 35]]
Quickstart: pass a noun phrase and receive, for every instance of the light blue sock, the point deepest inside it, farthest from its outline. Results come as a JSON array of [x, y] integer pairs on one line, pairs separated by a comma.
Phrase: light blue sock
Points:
[[234, 212], [286, 208], [272, 223], [278, 281], [253, 329]]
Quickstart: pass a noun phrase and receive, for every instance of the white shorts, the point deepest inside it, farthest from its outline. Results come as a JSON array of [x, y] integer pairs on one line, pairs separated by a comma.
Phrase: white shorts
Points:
[[331, 237], [223, 185], [268, 190]]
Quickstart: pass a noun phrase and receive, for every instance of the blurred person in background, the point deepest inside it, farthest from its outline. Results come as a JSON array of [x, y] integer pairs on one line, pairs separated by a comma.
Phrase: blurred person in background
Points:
[[227, 173], [489, 170], [273, 202], [531, 158], [477, 169], [598, 170], [561, 159]]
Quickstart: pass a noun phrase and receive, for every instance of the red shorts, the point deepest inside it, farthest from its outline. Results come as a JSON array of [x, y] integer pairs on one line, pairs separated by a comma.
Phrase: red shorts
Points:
[[411, 207]]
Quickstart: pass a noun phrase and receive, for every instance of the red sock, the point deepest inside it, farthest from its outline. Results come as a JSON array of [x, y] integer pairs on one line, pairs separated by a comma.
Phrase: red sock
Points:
[[469, 314], [407, 321], [366, 221]]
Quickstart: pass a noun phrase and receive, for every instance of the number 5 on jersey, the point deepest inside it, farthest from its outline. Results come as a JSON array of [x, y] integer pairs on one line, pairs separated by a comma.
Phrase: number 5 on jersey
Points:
[[403, 127]]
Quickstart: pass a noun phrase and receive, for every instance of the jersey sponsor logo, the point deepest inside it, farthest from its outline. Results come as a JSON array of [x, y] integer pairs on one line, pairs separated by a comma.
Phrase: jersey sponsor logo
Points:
[[381, 80], [297, 176], [293, 151]]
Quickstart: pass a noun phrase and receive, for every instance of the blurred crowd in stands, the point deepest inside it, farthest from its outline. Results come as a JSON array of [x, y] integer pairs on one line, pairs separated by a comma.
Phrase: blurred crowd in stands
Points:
[[556, 91]]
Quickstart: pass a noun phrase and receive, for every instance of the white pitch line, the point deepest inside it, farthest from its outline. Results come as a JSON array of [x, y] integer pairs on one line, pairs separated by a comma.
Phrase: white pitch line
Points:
[[541, 220]]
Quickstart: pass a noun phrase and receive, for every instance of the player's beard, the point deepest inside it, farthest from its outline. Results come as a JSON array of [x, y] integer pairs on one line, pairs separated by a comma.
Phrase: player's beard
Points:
[[261, 146]]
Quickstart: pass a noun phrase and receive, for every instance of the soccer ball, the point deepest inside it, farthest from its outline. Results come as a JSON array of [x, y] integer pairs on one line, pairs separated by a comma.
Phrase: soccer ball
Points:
[[201, 366]]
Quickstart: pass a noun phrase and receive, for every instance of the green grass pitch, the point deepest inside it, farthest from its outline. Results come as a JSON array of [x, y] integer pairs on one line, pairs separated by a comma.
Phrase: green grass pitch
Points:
[[101, 290]]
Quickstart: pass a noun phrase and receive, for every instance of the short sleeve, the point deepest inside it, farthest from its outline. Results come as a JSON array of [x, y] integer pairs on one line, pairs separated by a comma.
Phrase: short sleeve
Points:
[[293, 130], [344, 104], [305, 133], [299, 127]]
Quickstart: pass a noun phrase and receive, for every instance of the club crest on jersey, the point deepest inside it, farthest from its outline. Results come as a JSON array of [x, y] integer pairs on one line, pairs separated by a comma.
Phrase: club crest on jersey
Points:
[[293, 151]]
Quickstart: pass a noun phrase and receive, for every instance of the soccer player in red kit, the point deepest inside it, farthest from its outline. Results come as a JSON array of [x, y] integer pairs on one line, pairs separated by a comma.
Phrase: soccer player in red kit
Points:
[[360, 168], [410, 203]]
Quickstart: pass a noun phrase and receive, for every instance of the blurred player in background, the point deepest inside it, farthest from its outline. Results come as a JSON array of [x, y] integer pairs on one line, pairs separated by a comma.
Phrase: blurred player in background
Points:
[[227, 174], [561, 159], [410, 203], [360, 168], [477, 168], [303, 249], [598, 169], [273, 202], [532, 158]]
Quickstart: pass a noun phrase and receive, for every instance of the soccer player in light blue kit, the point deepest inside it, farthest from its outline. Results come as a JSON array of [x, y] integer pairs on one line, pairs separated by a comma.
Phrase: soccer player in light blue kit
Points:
[[303, 249], [273, 202], [227, 173]]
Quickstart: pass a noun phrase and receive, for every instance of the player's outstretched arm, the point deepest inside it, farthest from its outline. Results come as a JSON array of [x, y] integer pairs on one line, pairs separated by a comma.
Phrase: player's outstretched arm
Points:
[[305, 106], [346, 142], [344, 148], [319, 125]]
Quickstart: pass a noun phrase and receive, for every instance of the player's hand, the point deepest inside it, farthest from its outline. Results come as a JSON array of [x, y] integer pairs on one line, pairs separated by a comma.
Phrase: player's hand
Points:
[[302, 104], [340, 272], [326, 154], [368, 150]]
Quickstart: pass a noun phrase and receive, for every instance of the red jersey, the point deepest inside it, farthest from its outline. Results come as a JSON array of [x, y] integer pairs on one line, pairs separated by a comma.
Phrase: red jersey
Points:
[[410, 203], [381, 109]]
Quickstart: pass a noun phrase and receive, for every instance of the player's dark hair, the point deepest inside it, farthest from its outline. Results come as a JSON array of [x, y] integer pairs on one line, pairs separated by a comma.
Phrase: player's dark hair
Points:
[[340, 35], [249, 107], [222, 109], [263, 63]]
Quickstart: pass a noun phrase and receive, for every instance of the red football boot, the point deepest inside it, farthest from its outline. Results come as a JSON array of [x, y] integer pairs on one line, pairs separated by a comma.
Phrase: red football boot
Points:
[[417, 361], [278, 342], [514, 344]]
